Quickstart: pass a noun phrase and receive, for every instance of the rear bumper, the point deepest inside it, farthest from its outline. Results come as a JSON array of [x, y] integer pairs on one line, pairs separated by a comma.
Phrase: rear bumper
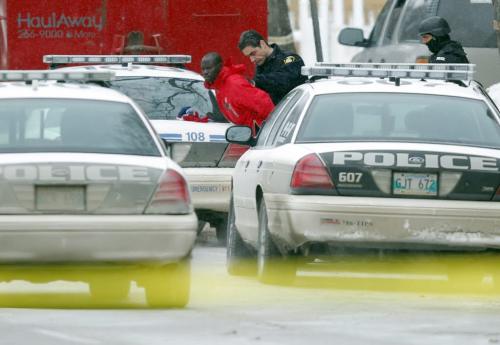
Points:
[[210, 187], [382, 222], [96, 238]]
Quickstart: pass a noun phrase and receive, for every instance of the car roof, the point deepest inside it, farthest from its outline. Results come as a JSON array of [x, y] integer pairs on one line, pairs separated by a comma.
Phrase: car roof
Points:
[[141, 70], [413, 86], [52, 89]]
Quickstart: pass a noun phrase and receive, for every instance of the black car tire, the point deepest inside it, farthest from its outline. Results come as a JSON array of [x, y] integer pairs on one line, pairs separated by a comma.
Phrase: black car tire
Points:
[[221, 230], [240, 260], [201, 226], [169, 286], [272, 266]]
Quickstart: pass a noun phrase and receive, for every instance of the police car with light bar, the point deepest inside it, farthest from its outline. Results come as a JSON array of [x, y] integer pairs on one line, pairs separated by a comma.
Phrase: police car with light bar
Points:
[[373, 156], [106, 195], [164, 93]]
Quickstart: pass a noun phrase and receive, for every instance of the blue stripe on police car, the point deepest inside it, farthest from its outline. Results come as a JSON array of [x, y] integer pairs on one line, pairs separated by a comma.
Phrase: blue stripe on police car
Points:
[[171, 136], [217, 138]]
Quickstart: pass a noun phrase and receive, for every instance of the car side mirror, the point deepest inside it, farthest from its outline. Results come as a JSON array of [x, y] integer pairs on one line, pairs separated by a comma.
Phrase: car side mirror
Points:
[[352, 37], [240, 135]]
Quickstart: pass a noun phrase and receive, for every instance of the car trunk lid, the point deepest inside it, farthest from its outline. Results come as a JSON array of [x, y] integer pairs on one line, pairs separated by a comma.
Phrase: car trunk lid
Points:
[[198, 145], [39, 183], [431, 171]]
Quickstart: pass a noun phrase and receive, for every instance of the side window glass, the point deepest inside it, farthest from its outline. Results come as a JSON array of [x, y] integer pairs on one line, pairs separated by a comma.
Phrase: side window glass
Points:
[[42, 124], [5, 124], [475, 28], [379, 24], [33, 124], [282, 117], [273, 117], [393, 20], [414, 13], [285, 132]]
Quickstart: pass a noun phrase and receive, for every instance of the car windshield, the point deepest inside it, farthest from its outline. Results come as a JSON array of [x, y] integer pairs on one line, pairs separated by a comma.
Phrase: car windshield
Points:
[[165, 98], [69, 125], [399, 117]]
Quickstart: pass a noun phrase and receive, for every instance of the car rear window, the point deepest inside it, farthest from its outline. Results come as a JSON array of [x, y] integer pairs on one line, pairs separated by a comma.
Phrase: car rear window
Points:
[[205, 155], [197, 155], [71, 125], [165, 98], [399, 117]]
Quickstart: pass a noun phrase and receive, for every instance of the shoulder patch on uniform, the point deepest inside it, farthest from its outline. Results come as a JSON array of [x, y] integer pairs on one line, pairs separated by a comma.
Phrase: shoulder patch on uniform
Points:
[[289, 59]]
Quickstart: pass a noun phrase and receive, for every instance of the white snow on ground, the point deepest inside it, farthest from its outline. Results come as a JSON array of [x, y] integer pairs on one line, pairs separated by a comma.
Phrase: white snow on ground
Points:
[[239, 310]]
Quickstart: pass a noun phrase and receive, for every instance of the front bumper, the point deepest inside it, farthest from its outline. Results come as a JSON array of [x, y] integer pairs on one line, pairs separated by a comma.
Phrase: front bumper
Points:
[[96, 238], [380, 222], [210, 188]]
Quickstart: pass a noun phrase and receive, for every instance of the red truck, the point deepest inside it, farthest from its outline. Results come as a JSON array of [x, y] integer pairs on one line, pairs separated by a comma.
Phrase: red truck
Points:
[[30, 29]]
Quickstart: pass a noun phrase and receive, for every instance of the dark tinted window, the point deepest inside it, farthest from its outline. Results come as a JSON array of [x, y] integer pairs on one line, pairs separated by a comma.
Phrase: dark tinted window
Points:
[[65, 125], [280, 109], [393, 20], [399, 117], [164, 98], [414, 12], [470, 22], [282, 117], [379, 24], [189, 155], [287, 128]]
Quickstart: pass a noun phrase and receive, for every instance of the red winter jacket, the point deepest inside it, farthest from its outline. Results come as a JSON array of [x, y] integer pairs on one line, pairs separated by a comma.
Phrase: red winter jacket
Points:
[[240, 101]]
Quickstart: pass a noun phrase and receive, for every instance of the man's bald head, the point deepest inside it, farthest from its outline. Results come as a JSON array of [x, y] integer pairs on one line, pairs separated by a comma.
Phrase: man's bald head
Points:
[[211, 64]]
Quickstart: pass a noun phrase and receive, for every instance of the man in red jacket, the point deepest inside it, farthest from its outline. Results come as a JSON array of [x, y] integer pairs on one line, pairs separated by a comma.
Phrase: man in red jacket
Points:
[[239, 101]]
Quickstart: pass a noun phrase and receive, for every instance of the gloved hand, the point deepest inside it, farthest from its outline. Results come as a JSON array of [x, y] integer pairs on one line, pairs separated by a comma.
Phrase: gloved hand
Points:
[[183, 111], [190, 114], [195, 118]]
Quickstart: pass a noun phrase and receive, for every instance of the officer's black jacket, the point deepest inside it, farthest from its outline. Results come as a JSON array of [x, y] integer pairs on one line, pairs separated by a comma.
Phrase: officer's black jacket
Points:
[[280, 73], [449, 52]]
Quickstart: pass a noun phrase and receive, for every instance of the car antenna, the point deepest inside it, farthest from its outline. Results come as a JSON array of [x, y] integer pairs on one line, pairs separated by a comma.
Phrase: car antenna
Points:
[[396, 80]]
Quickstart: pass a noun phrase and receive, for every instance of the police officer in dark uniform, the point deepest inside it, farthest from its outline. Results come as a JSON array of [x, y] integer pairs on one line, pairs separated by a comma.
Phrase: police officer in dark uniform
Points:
[[434, 32], [277, 71]]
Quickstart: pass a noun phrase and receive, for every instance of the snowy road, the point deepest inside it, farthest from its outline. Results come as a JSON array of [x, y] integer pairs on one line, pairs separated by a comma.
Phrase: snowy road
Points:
[[234, 310]]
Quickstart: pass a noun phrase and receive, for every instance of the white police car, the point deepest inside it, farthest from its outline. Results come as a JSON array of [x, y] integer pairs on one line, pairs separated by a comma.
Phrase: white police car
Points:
[[84, 179], [165, 93], [376, 158]]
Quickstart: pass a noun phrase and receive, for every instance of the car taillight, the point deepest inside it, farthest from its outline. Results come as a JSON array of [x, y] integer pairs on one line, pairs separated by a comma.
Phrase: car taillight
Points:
[[171, 196], [311, 173], [231, 155]]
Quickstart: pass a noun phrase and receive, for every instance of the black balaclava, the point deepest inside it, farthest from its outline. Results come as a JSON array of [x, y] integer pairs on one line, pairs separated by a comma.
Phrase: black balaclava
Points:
[[437, 42]]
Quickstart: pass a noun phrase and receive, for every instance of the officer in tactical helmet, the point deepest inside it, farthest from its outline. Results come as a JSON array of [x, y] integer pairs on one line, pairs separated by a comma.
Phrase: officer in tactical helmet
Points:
[[434, 32]]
